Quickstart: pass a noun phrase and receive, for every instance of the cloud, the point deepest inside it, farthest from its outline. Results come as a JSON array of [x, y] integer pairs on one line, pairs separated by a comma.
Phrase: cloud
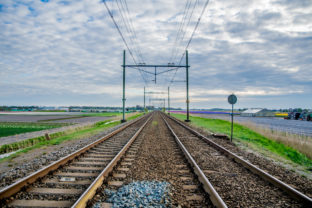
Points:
[[258, 49]]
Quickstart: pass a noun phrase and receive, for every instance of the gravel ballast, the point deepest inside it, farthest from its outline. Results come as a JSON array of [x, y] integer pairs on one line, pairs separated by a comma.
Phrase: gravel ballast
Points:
[[235, 184], [301, 183], [159, 158]]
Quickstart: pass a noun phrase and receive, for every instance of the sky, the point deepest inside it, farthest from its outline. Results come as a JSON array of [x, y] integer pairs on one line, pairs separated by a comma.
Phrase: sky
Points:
[[61, 53]]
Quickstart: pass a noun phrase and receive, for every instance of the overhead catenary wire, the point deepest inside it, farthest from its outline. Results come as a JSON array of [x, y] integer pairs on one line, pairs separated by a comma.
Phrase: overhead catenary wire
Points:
[[188, 23], [125, 17], [133, 46], [134, 32], [126, 20], [182, 30], [179, 31], [196, 26], [190, 40], [122, 37]]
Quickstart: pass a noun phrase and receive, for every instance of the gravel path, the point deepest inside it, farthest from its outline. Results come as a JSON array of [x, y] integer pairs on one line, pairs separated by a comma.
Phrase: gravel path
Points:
[[19, 137], [92, 119]]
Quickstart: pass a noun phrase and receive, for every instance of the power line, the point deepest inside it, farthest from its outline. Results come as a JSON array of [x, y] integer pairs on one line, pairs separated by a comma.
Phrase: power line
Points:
[[183, 28], [120, 33], [179, 30], [190, 40], [196, 26], [125, 16], [188, 23], [126, 22], [133, 30]]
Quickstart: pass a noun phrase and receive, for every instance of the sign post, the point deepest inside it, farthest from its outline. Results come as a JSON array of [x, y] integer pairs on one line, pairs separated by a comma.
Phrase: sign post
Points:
[[232, 99]]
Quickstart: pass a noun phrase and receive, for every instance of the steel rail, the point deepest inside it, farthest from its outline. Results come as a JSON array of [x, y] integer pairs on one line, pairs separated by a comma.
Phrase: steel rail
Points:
[[17, 186], [266, 176], [213, 194], [91, 191]]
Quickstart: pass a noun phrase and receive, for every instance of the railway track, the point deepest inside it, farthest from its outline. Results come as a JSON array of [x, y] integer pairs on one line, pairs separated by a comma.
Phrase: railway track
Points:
[[239, 183], [73, 180], [153, 148], [156, 158]]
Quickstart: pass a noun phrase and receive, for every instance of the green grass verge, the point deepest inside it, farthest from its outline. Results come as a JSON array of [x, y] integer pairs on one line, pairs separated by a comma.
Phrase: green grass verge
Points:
[[60, 137], [246, 135], [105, 114], [13, 128]]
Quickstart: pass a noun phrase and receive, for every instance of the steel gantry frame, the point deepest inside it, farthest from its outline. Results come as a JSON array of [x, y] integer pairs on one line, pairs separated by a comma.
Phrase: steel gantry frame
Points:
[[159, 99], [153, 93], [171, 68]]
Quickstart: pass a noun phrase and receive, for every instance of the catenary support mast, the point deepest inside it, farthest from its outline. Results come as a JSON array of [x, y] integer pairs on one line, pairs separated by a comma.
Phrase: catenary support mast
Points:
[[124, 87], [169, 101], [187, 88]]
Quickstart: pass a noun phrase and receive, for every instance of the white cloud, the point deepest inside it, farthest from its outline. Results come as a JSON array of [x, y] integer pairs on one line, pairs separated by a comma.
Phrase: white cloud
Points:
[[252, 48]]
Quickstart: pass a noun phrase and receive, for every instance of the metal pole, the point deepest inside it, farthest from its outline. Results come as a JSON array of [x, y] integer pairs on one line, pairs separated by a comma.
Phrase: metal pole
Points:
[[187, 88], [124, 87], [144, 101], [168, 101], [155, 74], [232, 125], [164, 105]]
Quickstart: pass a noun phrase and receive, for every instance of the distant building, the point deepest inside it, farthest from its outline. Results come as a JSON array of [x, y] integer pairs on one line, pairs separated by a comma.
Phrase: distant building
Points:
[[258, 112], [63, 108]]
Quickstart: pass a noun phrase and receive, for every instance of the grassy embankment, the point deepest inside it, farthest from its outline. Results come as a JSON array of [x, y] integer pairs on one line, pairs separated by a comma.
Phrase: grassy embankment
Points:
[[251, 139], [60, 137], [13, 128], [301, 143]]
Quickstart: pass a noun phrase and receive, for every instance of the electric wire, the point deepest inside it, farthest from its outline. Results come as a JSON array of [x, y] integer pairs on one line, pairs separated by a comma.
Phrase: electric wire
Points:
[[178, 33], [134, 32], [190, 40], [125, 17], [188, 23], [125, 20], [128, 22], [122, 37], [182, 30]]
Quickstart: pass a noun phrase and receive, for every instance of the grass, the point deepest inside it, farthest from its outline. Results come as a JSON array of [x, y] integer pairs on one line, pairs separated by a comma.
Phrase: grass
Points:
[[299, 142], [105, 114], [79, 133], [246, 135], [13, 128]]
